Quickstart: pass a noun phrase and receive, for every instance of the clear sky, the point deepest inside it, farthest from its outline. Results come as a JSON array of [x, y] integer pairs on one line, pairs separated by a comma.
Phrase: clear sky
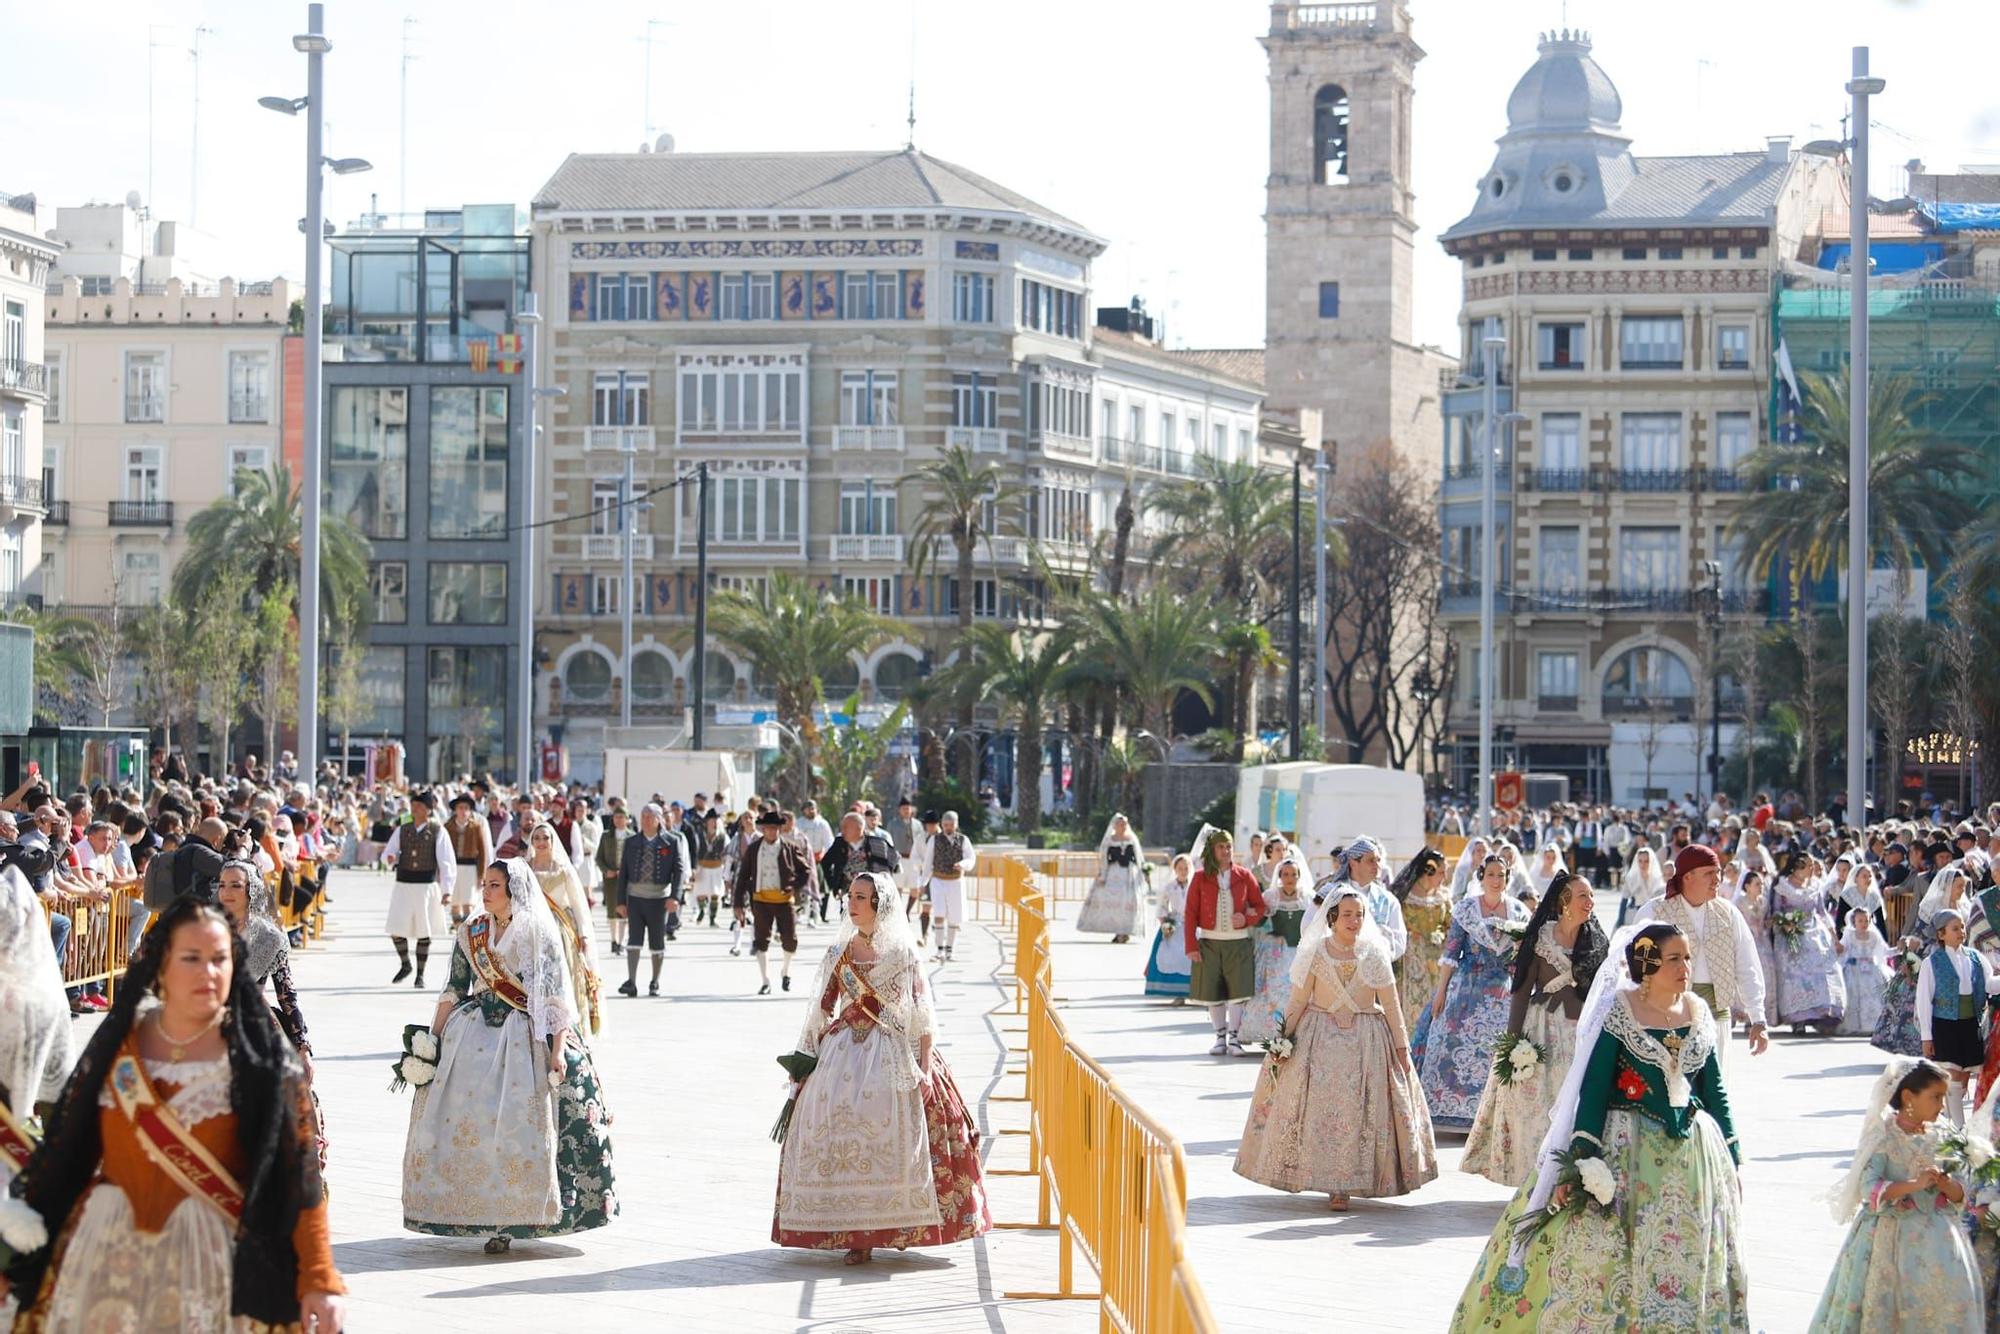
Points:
[[1146, 120]]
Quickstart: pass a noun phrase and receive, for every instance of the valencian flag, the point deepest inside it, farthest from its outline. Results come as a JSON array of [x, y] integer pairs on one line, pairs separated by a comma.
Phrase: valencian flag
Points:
[[482, 352]]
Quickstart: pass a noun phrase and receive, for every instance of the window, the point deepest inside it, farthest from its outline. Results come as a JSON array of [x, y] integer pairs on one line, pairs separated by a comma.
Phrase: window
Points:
[[51, 472], [139, 578], [1650, 343], [1941, 371], [756, 400], [877, 593], [1220, 434], [1057, 409], [1670, 252], [1732, 440], [1135, 424], [10, 563], [1634, 252], [866, 509], [1643, 675], [1051, 310], [468, 593], [868, 398], [14, 334], [388, 585], [1746, 252], [383, 677], [605, 518], [763, 298], [746, 508], [1108, 420], [1649, 559], [972, 298], [1732, 347], [1555, 680], [1561, 570], [145, 472], [624, 296], [586, 677], [750, 296], [1330, 113], [1243, 443], [249, 386], [1543, 255], [368, 459], [975, 400], [1580, 253], [620, 398], [1560, 346], [1719, 252], [145, 386], [13, 444], [1562, 442], [468, 462], [871, 296], [604, 595], [1732, 555], [241, 459], [1650, 442], [466, 721], [52, 411], [731, 292], [1169, 429], [1329, 301]]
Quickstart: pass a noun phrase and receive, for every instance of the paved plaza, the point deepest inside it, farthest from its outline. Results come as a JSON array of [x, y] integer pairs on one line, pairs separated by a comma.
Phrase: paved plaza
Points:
[[693, 1083]]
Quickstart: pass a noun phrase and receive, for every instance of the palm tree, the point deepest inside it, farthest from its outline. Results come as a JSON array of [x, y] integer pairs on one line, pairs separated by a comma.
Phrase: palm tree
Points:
[[1024, 671], [258, 530], [794, 636], [1795, 508], [1156, 645], [963, 505], [1246, 650], [1231, 526]]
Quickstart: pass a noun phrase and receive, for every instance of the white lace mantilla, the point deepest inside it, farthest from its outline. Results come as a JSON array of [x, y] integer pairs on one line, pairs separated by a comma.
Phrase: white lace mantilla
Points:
[[1695, 1050], [203, 1088]]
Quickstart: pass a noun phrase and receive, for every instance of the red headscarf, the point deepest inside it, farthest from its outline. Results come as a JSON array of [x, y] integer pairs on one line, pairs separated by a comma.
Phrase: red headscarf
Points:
[[1692, 858]]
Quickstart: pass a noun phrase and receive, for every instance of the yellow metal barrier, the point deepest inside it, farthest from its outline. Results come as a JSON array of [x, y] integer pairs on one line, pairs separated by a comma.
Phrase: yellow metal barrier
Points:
[[100, 937], [1110, 1180]]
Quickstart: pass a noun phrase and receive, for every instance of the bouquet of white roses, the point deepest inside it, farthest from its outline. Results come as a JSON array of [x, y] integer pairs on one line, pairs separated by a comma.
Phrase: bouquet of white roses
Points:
[[1517, 1058], [1279, 1047], [1791, 925], [1587, 1178], [1960, 1153], [1513, 930], [417, 1066]]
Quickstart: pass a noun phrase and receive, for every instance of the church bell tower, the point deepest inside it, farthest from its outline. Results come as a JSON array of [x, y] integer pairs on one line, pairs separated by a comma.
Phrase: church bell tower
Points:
[[1340, 227]]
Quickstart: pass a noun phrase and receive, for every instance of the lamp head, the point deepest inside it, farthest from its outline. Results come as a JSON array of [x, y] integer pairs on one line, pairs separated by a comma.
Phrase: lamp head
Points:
[[284, 106], [348, 166], [312, 43]]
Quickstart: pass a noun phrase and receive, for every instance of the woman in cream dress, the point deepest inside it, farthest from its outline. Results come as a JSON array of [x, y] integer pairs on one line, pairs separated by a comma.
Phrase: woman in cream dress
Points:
[[509, 1137], [571, 910], [1420, 887]]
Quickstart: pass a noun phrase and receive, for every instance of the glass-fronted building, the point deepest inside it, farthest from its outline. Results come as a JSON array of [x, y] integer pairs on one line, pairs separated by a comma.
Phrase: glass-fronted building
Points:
[[425, 447]]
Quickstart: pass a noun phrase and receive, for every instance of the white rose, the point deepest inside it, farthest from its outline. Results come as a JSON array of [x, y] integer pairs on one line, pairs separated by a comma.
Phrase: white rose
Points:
[[1523, 1057], [417, 1073], [1978, 1151], [424, 1044], [1597, 1179], [21, 1227]]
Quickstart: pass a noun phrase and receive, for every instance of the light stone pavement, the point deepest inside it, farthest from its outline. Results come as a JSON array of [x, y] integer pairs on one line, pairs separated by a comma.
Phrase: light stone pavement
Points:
[[1274, 1261], [693, 1083]]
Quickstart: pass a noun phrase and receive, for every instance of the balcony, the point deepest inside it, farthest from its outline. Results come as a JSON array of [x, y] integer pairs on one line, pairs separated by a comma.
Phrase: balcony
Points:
[[865, 439], [18, 494], [977, 439], [1060, 445], [1556, 703], [1003, 551], [1559, 480], [145, 408], [1134, 452], [868, 546], [1626, 601], [611, 546], [249, 409], [1644, 481], [142, 514], [23, 377], [1723, 480], [618, 439], [1650, 364], [55, 512]]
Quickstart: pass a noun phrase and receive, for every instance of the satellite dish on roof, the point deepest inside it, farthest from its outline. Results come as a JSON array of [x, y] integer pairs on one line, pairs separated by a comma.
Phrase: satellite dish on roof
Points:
[[132, 200]]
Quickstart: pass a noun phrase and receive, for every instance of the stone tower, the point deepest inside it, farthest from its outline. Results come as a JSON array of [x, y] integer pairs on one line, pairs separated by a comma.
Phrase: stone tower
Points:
[[1340, 226]]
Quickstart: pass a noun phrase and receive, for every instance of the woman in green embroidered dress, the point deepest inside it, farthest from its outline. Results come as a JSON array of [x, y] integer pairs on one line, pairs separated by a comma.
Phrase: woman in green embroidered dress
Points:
[[508, 1139], [1648, 1102]]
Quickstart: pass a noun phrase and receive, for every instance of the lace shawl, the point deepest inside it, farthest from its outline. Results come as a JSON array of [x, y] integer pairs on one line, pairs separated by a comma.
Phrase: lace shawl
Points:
[[1643, 1046]]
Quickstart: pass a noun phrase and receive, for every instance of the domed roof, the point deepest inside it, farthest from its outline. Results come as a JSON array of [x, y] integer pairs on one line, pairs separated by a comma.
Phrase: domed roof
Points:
[[1564, 90]]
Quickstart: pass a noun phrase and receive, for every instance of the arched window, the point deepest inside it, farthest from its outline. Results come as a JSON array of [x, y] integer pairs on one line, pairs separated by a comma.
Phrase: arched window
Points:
[[587, 678], [841, 682], [895, 674], [1330, 135], [718, 677], [652, 677], [1647, 678]]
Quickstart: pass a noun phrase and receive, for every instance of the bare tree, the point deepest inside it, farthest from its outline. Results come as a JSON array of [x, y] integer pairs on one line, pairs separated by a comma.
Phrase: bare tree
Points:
[[1651, 739], [223, 646], [1816, 703], [346, 701], [1960, 648], [1898, 646], [100, 660], [159, 639], [1383, 629]]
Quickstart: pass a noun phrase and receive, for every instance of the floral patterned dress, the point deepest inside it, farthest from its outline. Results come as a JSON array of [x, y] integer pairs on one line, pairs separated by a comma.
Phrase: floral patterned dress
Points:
[[1426, 919], [1906, 1264], [1810, 988], [1896, 1031], [1756, 910], [1277, 946], [1507, 1132], [1452, 1050]]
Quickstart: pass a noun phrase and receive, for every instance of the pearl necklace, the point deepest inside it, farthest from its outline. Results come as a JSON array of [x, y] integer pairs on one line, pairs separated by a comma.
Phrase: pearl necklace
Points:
[[177, 1047]]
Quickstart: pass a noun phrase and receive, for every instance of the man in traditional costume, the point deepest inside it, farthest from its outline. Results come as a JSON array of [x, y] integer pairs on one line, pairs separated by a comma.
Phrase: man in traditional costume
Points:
[[918, 869], [855, 851], [711, 849], [426, 870], [951, 860], [1726, 972], [654, 868], [471, 849], [770, 873], [902, 831]]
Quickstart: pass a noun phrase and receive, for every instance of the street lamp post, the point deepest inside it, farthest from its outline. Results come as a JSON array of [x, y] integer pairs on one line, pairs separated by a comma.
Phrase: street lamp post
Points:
[[530, 320], [1493, 345], [1711, 614], [314, 45], [1860, 87]]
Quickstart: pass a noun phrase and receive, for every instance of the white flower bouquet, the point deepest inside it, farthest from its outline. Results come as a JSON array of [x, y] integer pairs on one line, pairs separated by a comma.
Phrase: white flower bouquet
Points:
[[1279, 1048], [1588, 1178], [417, 1066], [22, 1230], [1517, 1059]]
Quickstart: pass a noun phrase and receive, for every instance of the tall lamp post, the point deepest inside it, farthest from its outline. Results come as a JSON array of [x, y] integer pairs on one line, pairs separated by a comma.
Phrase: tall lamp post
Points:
[[1711, 615], [314, 44], [1860, 87]]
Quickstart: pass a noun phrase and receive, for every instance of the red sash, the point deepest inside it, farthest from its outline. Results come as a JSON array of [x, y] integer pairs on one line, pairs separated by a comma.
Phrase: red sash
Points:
[[167, 1143], [478, 935], [15, 1142], [863, 1008]]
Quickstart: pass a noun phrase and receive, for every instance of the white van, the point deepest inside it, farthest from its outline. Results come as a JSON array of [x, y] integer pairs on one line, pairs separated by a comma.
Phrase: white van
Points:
[[1323, 807]]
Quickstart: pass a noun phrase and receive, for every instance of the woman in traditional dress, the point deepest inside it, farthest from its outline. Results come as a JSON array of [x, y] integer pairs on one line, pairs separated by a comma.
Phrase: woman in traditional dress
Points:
[[1645, 1099], [1864, 967], [550, 863], [1753, 899], [1810, 991], [1426, 910], [1896, 1031], [586, 831], [881, 1152], [1906, 1263], [1642, 883], [1465, 874], [1277, 942], [246, 899], [1117, 896], [1453, 1045], [201, 1076], [1557, 961], [1548, 864], [1518, 883], [35, 1053], [1167, 962], [1341, 1113], [509, 1139]]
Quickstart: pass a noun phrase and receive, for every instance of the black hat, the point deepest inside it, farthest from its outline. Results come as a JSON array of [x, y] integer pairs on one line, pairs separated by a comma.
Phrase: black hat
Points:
[[424, 795], [464, 799], [906, 801], [712, 813], [931, 817], [771, 816], [1939, 849]]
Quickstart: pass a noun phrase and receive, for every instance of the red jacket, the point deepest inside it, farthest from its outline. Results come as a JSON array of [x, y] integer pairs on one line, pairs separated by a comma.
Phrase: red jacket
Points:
[[1201, 896]]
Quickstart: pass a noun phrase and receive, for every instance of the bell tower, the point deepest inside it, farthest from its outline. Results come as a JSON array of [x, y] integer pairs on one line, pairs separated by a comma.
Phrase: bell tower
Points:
[[1340, 227]]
